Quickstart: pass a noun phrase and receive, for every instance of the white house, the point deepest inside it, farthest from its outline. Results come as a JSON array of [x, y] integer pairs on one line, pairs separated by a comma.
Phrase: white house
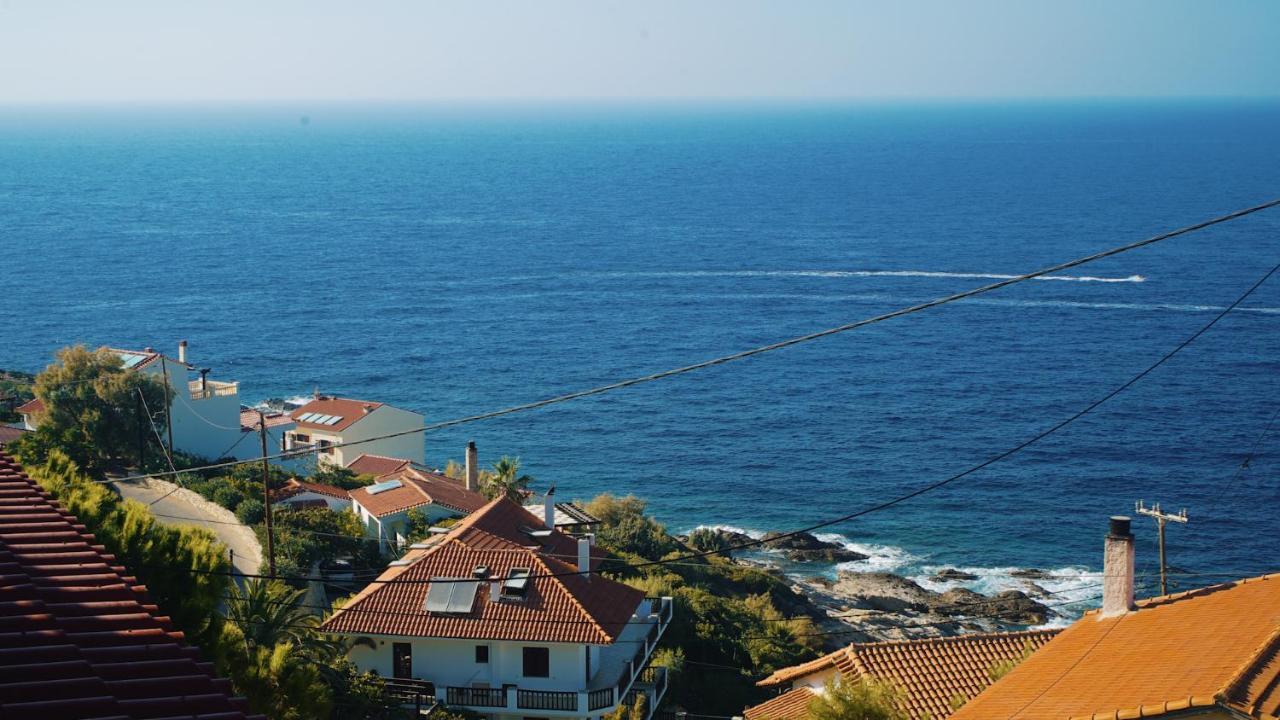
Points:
[[204, 414], [384, 506], [326, 423], [495, 617]]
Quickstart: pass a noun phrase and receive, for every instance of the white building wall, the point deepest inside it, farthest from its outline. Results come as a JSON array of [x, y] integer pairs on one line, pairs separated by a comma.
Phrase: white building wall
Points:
[[209, 427], [448, 662], [383, 421]]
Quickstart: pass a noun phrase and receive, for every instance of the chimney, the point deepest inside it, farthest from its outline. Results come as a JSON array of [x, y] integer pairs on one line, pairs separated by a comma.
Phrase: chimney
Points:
[[584, 556], [549, 508], [473, 467], [182, 351], [495, 588], [1117, 569]]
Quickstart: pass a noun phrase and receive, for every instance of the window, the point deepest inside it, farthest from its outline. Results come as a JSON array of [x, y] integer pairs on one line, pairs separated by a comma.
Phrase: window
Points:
[[324, 446], [482, 653], [301, 438], [537, 662], [402, 660], [516, 584]]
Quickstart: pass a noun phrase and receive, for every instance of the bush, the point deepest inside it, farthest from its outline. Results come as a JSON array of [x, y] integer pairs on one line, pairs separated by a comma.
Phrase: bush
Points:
[[863, 699], [625, 528], [250, 511], [227, 496]]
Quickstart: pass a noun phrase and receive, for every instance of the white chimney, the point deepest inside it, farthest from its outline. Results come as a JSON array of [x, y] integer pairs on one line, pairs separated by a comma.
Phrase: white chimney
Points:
[[182, 351], [495, 588], [473, 467], [549, 508], [584, 556], [1117, 569]]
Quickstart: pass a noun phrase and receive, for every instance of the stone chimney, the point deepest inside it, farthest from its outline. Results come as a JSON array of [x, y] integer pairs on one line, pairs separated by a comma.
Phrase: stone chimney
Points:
[[549, 508], [473, 467], [182, 351], [584, 556], [1117, 569]]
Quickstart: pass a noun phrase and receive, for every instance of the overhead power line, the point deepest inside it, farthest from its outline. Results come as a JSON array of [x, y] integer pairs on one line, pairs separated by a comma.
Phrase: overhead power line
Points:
[[601, 389]]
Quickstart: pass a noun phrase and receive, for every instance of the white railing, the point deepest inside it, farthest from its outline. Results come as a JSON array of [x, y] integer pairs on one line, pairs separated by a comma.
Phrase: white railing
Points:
[[212, 388]]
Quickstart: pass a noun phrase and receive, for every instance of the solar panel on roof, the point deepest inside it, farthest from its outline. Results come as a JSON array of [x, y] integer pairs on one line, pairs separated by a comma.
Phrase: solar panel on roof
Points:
[[376, 488], [130, 360], [333, 420], [305, 417], [454, 596]]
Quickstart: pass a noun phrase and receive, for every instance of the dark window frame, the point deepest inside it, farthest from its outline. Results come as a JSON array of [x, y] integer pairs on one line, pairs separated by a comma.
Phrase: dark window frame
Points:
[[482, 654], [535, 658]]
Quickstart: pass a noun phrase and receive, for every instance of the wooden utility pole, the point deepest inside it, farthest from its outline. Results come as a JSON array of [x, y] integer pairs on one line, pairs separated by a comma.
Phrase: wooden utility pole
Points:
[[142, 435], [1161, 518], [168, 403], [266, 495]]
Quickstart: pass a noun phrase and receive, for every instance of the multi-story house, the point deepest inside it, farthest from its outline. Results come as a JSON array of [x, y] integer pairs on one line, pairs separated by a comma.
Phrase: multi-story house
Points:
[[328, 424], [497, 617], [384, 506], [204, 415]]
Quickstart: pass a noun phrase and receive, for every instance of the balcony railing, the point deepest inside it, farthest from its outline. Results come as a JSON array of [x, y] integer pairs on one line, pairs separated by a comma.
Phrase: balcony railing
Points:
[[602, 698], [476, 697], [546, 700], [212, 388]]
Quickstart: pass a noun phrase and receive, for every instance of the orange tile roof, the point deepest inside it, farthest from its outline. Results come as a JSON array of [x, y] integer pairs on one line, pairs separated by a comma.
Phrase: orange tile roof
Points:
[[418, 487], [790, 705], [9, 433], [79, 638], [34, 406], [349, 410], [369, 464], [930, 672], [249, 420], [566, 608], [296, 487], [1216, 646]]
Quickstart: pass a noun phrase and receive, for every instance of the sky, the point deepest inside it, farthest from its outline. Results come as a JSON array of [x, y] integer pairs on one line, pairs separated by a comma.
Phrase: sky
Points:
[[54, 51]]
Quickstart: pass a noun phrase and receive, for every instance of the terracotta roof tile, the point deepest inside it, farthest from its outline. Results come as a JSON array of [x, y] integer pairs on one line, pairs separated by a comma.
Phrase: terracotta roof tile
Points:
[[350, 411], [249, 420], [377, 465], [418, 487], [930, 672], [297, 487], [790, 705], [9, 433], [78, 637], [568, 608], [34, 406], [1213, 646]]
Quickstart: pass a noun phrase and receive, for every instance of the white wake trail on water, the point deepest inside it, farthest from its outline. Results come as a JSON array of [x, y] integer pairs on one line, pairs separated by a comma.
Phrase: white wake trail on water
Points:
[[869, 273]]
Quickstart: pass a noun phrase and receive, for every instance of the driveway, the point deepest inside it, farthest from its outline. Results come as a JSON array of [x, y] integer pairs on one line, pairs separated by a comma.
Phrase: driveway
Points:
[[173, 505]]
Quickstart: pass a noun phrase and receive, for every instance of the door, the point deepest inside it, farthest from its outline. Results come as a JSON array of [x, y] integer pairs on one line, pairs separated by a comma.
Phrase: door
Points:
[[402, 660]]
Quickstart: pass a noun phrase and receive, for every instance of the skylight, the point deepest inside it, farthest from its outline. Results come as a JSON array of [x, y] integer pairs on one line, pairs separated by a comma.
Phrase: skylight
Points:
[[517, 583], [376, 488], [452, 596]]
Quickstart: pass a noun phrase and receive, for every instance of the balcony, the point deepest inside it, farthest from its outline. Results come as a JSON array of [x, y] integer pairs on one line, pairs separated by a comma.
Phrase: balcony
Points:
[[203, 390], [621, 676]]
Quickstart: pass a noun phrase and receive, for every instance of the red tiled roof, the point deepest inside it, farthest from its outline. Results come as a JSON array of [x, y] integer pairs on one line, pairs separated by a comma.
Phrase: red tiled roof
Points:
[[418, 487], [297, 487], [930, 672], [249, 420], [790, 705], [34, 406], [349, 410], [376, 465], [567, 608], [9, 433], [78, 637], [1214, 647]]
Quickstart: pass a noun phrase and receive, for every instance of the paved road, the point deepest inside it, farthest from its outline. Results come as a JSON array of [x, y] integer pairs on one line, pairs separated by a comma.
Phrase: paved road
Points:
[[173, 505]]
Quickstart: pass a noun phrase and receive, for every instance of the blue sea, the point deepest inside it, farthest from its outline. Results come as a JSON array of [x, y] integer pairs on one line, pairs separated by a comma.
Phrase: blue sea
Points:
[[458, 259]]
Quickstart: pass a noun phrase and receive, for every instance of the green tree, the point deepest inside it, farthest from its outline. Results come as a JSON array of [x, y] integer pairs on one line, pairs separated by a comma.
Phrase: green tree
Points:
[[862, 699], [96, 411], [625, 528], [506, 480]]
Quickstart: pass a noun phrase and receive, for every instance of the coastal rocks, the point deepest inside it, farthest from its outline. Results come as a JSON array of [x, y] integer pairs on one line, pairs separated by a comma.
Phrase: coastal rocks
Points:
[[1031, 574], [804, 547], [1013, 606], [882, 591], [953, 575]]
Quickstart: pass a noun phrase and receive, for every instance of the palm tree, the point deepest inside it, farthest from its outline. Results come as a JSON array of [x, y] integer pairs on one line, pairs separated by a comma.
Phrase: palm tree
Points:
[[506, 480], [268, 613]]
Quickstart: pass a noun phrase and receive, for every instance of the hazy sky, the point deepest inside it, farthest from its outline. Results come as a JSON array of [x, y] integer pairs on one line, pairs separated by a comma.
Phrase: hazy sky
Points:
[[184, 51]]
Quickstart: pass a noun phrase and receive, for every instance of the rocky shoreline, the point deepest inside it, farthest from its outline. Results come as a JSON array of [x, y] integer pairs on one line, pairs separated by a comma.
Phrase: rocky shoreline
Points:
[[875, 606]]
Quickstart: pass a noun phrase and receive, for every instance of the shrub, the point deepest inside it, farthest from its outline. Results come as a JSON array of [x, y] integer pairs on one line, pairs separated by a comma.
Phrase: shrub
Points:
[[250, 511]]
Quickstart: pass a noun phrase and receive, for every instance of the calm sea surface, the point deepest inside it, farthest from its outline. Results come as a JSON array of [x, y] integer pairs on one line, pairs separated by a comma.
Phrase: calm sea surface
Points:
[[456, 260]]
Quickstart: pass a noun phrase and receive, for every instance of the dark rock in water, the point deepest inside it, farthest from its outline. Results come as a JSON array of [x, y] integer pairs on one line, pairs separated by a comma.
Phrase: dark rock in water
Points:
[[821, 581], [883, 591], [1031, 574], [1036, 591], [958, 601], [1013, 606], [953, 575], [803, 547]]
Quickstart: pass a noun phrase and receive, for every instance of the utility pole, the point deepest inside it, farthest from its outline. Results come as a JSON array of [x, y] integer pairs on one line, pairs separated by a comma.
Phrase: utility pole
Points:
[[168, 403], [142, 436], [266, 495], [1161, 518]]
